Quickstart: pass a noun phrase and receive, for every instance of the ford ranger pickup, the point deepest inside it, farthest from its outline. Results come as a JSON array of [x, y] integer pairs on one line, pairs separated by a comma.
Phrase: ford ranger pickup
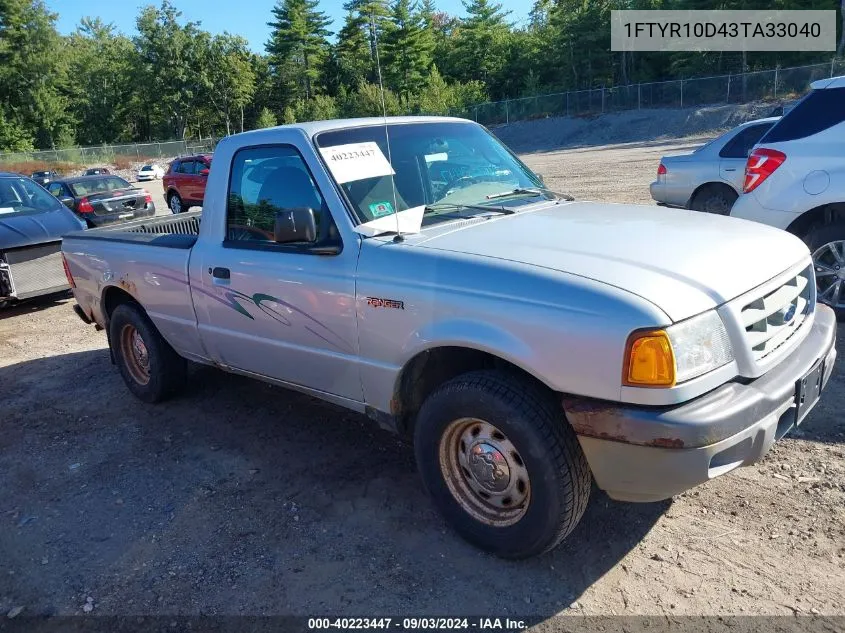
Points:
[[413, 269]]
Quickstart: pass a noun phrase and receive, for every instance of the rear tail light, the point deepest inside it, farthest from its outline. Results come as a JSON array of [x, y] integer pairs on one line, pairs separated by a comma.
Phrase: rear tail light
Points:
[[761, 164], [661, 170], [85, 206], [67, 272], [148, 199]]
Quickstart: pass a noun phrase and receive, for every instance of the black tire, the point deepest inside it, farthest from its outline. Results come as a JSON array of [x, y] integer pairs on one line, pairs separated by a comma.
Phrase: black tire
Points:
[[167, 370], [714, 198], [175, 196], [816, 237], [534, 423]]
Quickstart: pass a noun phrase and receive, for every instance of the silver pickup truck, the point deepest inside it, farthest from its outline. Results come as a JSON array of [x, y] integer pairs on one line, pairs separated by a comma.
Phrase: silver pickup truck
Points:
[[413, 269]]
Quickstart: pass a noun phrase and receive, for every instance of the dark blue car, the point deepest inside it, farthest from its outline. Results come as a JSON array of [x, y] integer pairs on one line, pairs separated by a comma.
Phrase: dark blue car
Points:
[[32, 223]]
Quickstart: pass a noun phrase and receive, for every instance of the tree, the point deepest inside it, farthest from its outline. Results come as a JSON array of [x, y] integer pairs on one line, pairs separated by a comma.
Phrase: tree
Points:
[[408, 47], [32, 75], [265, 119], [99, 61], [298, 46], [351, 59], [482, 39], [171, 56], [229, 80], [372, 17]]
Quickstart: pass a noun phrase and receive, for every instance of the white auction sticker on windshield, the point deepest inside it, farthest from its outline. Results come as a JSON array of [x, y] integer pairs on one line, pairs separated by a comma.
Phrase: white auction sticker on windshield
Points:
[[356, 161]]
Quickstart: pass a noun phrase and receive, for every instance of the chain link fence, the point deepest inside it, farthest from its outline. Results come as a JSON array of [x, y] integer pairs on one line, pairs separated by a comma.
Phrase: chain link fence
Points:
[[777, 84], [111, 153]]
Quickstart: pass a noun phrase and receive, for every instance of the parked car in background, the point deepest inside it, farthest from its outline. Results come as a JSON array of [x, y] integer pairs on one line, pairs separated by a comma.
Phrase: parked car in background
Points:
[[795, 180], [99, 200], [32, 223], [710, 178], [96, 171], [43, 177], [150, 172], [527, 344], [185, 180]]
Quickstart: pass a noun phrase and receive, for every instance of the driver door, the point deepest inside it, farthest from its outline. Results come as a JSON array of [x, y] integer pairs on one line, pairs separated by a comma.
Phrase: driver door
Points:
[[284, 311]]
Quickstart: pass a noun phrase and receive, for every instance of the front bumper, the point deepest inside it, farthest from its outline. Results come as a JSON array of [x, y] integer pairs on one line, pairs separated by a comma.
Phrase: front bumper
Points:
[[652, 453]]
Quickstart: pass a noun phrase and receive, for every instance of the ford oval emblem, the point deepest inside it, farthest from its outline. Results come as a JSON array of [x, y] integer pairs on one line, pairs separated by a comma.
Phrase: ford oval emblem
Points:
[[789, 313]]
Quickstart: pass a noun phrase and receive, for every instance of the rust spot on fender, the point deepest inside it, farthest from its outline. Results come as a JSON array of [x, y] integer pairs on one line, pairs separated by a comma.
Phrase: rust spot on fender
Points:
[[666, 442], [127, 285], [587, 416]]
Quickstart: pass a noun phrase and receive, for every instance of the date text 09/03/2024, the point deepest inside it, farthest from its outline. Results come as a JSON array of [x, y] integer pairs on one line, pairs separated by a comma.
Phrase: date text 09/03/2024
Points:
[[416, 624]]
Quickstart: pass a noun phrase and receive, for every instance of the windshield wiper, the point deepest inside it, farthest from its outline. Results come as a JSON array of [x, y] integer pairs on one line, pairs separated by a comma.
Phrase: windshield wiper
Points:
[[437, 206], [532, 191]]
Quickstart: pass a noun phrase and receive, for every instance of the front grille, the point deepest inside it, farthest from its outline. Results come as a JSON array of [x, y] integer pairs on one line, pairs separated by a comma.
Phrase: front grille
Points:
[[36, 270], [771, 320]]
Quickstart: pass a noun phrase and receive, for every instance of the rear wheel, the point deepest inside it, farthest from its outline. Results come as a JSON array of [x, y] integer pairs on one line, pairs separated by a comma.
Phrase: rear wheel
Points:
[[501, 463], [150, 368], [827, 244], [175, 203], [714, 198]]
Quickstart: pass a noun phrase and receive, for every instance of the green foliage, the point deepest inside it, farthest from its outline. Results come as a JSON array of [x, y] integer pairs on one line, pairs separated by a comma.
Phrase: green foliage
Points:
[[298, 46], [408, 48], [229, 80], [367, 101], [319, 108], [173, 79], [266, 119]]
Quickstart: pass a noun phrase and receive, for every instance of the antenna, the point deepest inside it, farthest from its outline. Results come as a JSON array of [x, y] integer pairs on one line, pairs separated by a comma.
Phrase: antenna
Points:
[[398, 237]]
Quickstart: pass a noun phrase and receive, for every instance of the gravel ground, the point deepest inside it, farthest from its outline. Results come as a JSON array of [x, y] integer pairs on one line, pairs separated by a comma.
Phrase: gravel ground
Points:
[[241, 498]]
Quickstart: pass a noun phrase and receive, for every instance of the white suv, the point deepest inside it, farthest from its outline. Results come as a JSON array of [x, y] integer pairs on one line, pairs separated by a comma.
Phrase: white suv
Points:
[[795, 180]]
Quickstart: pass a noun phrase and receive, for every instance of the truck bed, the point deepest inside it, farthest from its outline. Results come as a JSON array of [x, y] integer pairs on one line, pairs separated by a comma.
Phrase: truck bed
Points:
[[178, 231]]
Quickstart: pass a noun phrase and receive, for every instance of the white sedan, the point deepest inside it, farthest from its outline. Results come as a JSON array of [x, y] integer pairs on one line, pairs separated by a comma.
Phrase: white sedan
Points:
[[150, 172]]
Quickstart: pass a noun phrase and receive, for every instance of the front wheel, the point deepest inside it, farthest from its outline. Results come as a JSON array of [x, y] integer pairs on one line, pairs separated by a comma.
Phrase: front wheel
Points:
[[501, 463], [151, 369]]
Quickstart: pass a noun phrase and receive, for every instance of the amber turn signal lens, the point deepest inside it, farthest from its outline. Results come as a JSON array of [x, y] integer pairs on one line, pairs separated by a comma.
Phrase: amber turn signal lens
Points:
[[650, 361]]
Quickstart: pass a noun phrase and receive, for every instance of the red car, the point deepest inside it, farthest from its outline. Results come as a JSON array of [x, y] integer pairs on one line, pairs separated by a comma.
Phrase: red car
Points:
[[184, 182]]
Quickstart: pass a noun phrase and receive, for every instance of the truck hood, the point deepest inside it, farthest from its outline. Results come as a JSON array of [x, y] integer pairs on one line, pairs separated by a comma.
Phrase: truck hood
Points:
[[35, 227], [684, 262]]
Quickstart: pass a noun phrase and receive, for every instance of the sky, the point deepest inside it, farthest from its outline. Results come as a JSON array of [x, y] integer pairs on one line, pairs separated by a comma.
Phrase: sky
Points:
[[217, 16]]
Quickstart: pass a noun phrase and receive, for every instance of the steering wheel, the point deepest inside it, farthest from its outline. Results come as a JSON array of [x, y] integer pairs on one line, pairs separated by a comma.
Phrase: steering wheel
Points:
[[464, 181]]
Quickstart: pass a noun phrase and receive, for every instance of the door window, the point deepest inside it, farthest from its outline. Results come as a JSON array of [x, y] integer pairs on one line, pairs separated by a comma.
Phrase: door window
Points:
[[265, 181], [818, 111], [740, 145], [188, 167]]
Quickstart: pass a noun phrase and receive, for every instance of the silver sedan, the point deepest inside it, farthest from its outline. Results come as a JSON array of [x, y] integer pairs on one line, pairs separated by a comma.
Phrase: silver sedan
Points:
[[709, 179]]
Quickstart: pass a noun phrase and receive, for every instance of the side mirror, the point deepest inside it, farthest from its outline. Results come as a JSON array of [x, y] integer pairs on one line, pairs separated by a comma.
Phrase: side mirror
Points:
[[295, 225], [68, 202], [542, 179], [204, 172]]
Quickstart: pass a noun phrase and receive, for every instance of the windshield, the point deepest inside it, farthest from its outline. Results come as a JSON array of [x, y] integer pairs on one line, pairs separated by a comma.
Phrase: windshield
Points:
[[436, 165], [19, 195], [95, 185]]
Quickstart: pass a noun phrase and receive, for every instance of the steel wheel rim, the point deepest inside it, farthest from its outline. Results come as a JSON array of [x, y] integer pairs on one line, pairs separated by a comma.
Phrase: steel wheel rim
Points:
[[175, 204], [829, 262], [135, 355], [484, 472]]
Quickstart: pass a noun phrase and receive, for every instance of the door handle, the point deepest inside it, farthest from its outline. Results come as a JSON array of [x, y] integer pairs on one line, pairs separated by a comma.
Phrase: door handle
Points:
[[220, 273], [732, 169]]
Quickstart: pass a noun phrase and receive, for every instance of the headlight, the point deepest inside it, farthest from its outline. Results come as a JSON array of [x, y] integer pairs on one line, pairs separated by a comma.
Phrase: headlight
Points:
[[663, 358]]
